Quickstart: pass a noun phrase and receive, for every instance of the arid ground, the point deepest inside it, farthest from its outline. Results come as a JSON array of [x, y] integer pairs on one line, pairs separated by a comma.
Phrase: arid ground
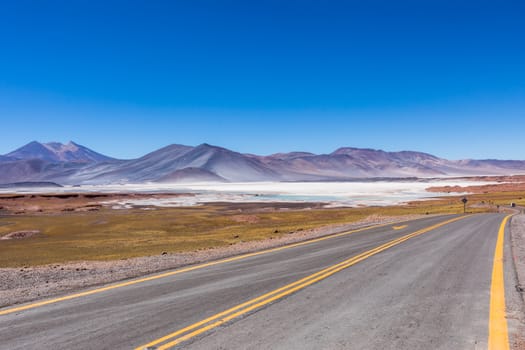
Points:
[[61, 242]]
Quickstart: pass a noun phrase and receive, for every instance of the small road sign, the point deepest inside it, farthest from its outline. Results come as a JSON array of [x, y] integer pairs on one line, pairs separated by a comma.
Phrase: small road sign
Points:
[[464, 200]]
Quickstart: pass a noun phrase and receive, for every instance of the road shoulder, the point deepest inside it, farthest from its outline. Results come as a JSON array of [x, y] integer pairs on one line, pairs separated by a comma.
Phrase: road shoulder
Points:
[[515, 282]]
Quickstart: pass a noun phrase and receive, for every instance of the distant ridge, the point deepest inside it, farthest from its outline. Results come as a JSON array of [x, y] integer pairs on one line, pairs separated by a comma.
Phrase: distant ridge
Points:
[[29, 185], [72, 163], [57, 152]]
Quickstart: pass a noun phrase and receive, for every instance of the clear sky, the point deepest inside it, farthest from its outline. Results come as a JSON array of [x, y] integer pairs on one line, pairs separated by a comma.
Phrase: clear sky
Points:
[[127, 77]]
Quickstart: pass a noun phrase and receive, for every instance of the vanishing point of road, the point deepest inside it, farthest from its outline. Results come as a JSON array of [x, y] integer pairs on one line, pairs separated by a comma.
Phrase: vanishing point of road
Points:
[[435, 283]]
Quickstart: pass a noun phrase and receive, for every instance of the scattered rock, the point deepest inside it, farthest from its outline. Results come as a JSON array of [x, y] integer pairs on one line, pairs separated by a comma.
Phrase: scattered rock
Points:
[[20, 234]]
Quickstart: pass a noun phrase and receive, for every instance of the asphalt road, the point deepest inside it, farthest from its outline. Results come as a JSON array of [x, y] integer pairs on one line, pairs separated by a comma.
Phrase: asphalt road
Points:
[[425, 287]]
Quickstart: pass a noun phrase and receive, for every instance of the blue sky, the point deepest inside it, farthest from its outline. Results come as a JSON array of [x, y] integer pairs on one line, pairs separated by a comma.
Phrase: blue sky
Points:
[[127, 77]]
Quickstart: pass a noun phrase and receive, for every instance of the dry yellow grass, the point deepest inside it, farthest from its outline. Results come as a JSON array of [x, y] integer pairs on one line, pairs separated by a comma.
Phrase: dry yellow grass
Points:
[[117, 234]]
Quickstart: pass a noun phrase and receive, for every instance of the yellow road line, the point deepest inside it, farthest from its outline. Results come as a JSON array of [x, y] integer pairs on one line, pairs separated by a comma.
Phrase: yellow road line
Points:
[[498, 333], [218, 319], [399, 227], [176, 272]]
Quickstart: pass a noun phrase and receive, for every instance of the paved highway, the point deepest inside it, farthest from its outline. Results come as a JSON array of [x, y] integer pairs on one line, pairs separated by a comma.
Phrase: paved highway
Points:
[[434, 283]]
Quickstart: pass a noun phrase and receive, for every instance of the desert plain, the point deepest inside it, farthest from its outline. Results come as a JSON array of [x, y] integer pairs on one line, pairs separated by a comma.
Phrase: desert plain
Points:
[[56, 242]]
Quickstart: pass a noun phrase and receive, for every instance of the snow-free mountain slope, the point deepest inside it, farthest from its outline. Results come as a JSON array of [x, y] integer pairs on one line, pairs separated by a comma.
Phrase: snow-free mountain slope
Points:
[[74, 164], [57, 152]]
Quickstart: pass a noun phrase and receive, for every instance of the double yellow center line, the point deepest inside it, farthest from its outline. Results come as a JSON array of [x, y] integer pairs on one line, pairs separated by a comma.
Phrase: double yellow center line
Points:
[[178, 271], [207, 324]]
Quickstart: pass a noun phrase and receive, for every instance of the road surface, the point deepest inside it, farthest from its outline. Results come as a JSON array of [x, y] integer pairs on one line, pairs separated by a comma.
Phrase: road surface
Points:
[[425, 284]]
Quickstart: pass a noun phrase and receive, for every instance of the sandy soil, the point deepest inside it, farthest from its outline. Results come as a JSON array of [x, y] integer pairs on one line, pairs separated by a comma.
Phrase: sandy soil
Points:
[[19, 285]]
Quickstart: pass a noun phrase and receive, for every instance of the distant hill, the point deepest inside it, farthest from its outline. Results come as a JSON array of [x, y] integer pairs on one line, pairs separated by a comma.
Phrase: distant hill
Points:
[[74, 164], [57, 152]]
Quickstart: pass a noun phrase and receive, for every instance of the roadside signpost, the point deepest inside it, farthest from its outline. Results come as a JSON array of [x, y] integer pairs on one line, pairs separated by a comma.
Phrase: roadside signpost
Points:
[[464, 200]]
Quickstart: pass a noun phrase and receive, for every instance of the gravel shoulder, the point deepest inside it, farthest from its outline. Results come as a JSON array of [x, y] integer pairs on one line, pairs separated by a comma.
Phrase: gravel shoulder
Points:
[[516, 304], [518, 248], [19, 285]]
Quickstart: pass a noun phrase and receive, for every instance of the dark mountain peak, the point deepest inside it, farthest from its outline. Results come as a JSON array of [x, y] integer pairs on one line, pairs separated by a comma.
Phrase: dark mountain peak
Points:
[[173, 149], [415, 156], [211, 151], [207, 146], [32, 150], [57, 152], [288, 156], [205, 152], [354, 151]]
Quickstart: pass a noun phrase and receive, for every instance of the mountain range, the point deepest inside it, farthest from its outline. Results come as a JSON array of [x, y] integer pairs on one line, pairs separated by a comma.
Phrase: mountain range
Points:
[[73, 164]]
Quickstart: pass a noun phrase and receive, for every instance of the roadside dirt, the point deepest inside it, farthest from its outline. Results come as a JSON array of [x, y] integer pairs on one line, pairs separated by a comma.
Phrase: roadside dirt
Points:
[[516, 309], [518, 248], [18, 285]]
